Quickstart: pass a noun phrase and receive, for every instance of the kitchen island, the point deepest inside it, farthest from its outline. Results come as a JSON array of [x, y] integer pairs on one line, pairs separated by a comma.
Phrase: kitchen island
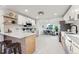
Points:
[[27, 40]]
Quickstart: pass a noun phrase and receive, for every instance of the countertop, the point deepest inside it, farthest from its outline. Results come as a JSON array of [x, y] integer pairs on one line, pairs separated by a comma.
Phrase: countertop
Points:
[[74, 37], [18, 34]]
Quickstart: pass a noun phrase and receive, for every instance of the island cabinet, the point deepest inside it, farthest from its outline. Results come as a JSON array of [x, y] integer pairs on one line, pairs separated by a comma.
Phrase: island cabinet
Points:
[[27, 43], [30, 44]]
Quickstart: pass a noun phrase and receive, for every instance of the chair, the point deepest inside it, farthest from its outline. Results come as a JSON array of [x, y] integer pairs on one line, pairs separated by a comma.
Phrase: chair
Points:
[[16, 48], [3, 46]]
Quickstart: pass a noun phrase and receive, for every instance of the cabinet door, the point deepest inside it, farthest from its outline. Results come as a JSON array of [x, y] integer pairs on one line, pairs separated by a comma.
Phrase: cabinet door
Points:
[[30, 44], [68, 46], [63, 41], [20, 19], [1, 38], [75, 48]]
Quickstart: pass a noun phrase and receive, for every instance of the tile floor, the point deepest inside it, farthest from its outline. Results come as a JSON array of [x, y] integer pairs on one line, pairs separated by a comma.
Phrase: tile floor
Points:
[[47, 44]]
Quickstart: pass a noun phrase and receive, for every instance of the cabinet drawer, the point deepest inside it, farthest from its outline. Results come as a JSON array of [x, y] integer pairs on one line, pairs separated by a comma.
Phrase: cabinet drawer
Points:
[[75, 48]]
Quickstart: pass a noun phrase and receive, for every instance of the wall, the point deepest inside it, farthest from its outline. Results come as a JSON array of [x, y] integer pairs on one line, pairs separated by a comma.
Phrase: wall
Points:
[[1, 25], [42, 22]]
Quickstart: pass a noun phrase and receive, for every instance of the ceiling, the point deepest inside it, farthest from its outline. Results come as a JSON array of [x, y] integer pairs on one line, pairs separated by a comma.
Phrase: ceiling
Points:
[[50, 11]]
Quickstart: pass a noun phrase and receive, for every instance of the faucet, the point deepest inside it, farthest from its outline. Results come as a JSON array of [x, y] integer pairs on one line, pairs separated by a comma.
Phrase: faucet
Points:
[[75, 27]]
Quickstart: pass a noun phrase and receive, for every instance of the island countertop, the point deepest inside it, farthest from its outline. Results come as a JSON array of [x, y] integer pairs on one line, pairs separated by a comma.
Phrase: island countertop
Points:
[[17, 34]]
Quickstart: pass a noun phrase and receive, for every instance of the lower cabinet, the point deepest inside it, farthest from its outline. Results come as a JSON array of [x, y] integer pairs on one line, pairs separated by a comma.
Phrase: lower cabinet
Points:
[[68, 46], [75, 48], [72, 47], [63, 41], [1, 38], [30, 44]]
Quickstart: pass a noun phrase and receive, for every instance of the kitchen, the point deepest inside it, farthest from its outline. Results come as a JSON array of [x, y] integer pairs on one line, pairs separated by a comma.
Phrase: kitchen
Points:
[[38, 29], [16, 34]]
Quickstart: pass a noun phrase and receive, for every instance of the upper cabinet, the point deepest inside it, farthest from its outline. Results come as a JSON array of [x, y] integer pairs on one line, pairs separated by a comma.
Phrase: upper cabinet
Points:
[[72, 14], [22, 20]]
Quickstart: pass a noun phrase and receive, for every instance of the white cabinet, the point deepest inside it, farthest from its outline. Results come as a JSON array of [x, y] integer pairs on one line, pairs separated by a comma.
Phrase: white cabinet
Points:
[[66, 42], [75, 48], [71, 15], [20, 19], [71, 46], [68, 45]]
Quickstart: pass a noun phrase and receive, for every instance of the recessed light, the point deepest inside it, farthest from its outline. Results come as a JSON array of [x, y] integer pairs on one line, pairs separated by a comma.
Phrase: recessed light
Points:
[[26, 10], [76, 10], [37, 17], [55, 14]]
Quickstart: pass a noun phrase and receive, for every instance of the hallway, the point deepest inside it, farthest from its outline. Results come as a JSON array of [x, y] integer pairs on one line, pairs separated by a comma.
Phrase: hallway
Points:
[[47, 44]]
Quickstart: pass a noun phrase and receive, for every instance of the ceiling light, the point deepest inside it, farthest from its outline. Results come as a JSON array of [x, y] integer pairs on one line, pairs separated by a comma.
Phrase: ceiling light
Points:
[[37, 17], [26, 10], [55, 13], [41, 13], [76, 10]]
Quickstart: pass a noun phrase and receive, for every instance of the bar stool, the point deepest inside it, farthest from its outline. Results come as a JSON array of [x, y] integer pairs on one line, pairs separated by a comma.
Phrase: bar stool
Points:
[[3, 46], [0, 47], [12, 48], [7, 47], [16, 48]]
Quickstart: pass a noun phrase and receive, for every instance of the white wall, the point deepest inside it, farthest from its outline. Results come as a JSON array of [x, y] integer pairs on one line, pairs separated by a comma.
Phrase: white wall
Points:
[[45, 22], [1, 24]]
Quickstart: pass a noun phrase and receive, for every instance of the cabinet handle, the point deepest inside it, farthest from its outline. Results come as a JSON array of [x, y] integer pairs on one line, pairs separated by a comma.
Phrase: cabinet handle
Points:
[[70, 48], [76, 46], [70, 41]]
